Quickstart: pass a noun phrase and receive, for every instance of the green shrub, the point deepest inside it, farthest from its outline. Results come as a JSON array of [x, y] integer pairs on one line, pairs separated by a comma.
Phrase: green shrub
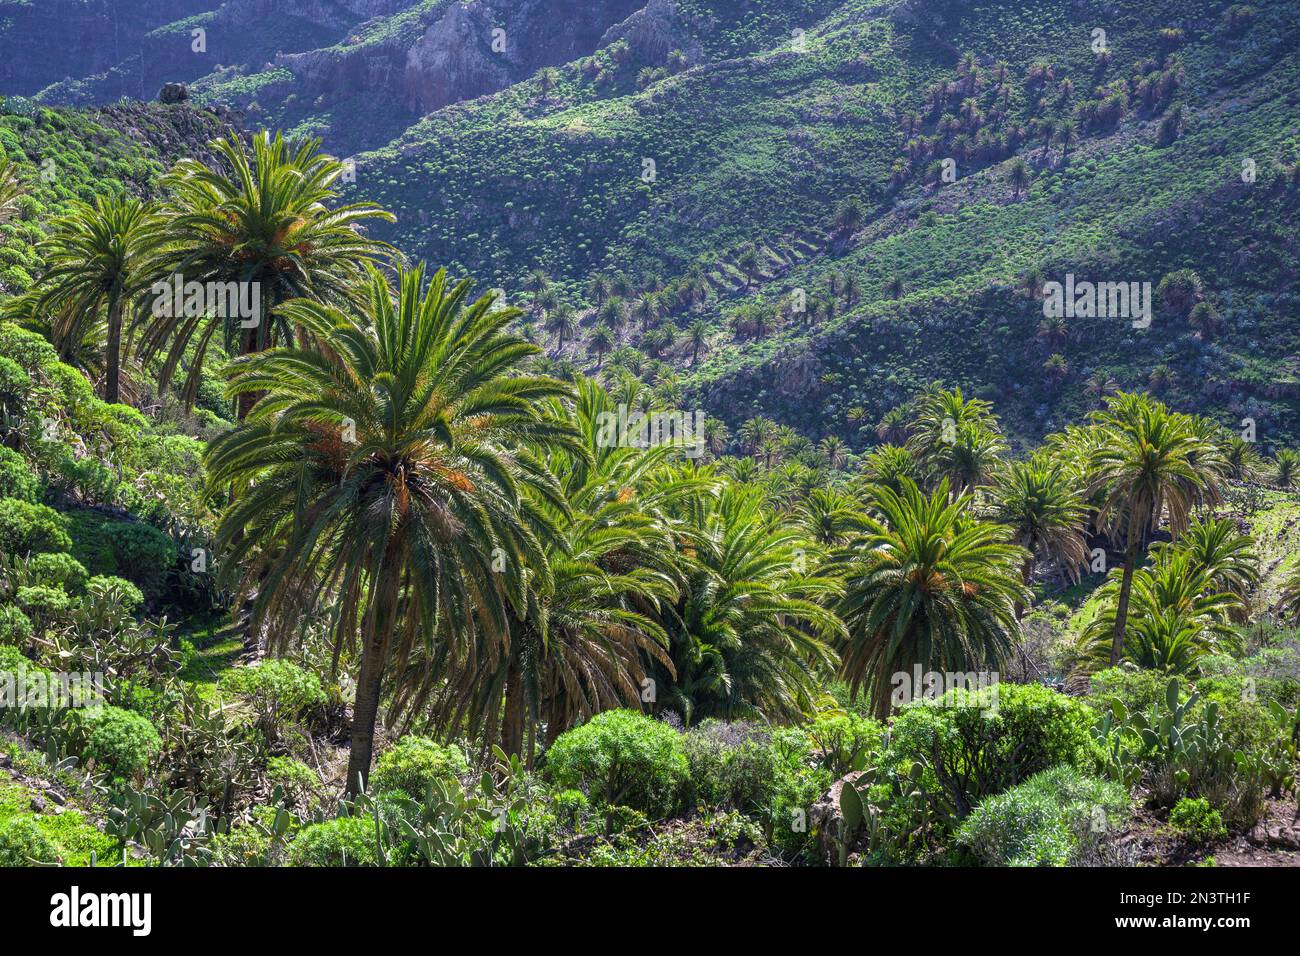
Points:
[[16, 479], [58, 570], [414, 763], [570, 807], [843, 742], [114, 590], [294, 776], [15, 627], [278, 691], [346, 841], [27, 528], [971, 749], [1194, 818], [622, 758], [120, 739], [738, 764], [22, 843], [43, 605], [143, 553], [1056, 818], [291, 689]]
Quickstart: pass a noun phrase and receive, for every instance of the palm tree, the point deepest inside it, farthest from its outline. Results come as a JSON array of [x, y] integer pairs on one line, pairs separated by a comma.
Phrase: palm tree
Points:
[[1046, 514], [1286, 468], [833, 452], [537, 283], [1152, 464], [1244, 461], [1178, 614], [749, 264], [265, 221], [93, 259], [563, 322], [11, 188], [931, 586], [831, 517], [1227, 556], [751, 631], [602, 340], [698, 336], [584, 639], [1018, 176], [388, 470]]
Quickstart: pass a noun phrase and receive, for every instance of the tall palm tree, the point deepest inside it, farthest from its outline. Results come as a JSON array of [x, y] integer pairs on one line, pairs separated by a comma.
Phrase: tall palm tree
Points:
[[11, 188], [1045, 511], [931, 586], [697, 334], [1178, 615], [1152, 464], [584, 639], [387, 472], [537, 283], [563, 322], [833, 452], [94, 269], [266, 219], [1018, 176]]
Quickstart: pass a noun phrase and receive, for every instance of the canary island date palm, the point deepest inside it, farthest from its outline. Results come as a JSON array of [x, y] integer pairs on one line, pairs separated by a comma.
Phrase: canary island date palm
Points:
[[1177, 615], [267, 218], [1150, 465], [586, 636], [94, 258], [930, 585], [11, 189], [752, 632], [1043, 508], [386, 472]]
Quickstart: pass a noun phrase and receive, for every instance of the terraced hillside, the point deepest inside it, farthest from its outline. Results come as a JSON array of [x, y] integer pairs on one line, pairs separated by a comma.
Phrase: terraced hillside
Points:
[[756, 154]]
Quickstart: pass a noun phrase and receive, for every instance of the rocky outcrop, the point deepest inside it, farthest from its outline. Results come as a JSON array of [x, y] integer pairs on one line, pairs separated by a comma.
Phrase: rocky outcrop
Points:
[[655, 31]]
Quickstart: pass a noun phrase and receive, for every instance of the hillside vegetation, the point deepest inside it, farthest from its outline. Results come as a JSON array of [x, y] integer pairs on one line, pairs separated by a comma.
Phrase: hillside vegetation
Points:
[[667, 455]]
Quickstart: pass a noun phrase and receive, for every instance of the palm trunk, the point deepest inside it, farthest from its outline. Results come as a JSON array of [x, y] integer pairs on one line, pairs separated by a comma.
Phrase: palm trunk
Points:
[[1026, 573], [378, 634], [512, 729], [1126, 585], [113, 353]]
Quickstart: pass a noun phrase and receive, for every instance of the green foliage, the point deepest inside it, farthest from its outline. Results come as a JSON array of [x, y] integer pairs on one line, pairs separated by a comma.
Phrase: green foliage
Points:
[[414, 763], [623, 758], [277, 690], [344, 841], [123, 741], [27, 528], [976, 744], [15, 626], [1058, 817], [16, 478], [844, 742], [59, 571], [1195, 819], [23, 844]]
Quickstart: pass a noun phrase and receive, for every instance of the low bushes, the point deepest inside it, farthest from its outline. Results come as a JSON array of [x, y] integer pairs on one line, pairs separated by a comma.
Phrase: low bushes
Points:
[[414, 764], [120, 739], [623, 758], [345, 841], [1058, 817], [1194, 818], [976, 744]]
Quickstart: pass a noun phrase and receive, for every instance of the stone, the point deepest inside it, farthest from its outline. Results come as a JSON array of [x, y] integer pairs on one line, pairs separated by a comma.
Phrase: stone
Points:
[[174, 93]]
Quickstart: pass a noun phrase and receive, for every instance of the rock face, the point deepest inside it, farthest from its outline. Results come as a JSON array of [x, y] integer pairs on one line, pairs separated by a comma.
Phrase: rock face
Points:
[[174, 93]]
